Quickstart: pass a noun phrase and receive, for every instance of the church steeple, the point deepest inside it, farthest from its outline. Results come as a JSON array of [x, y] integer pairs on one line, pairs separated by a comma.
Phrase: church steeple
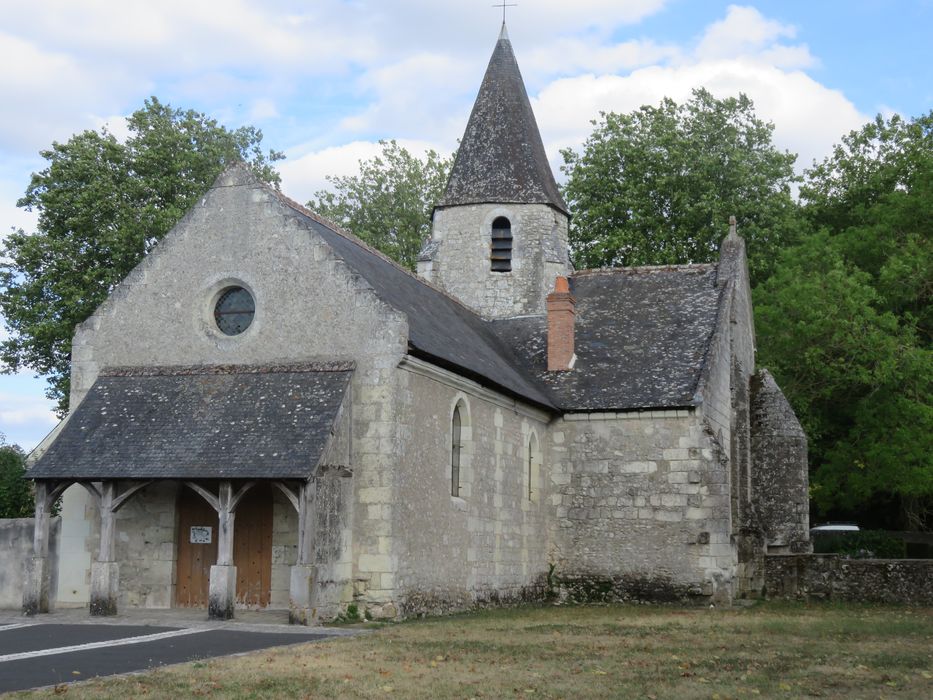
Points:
[[501, 157], [499, 236]]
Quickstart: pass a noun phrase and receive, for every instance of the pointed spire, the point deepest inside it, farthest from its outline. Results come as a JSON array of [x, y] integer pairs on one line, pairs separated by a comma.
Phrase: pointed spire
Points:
[[501, 157]]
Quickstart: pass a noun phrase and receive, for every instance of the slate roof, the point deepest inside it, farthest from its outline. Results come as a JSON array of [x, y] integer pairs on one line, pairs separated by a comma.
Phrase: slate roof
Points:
[[440, 328], [501, 157], [642, 335], [226, 422]]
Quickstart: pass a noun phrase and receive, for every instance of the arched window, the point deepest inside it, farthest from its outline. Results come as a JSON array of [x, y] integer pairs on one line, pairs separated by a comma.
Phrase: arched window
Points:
[[500, 256], [533, 467], [455, 447]]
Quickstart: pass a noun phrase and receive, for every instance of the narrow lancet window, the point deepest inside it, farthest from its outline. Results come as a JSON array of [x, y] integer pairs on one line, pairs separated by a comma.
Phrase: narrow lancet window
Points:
[[455, 453], [533, 466], [501, 253]]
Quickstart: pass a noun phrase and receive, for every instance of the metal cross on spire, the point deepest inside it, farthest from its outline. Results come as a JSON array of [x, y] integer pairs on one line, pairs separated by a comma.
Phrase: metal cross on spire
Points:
[[504, 5]]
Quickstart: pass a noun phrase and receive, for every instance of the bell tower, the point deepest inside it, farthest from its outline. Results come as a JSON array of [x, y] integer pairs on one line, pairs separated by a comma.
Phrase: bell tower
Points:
[[499, 236]]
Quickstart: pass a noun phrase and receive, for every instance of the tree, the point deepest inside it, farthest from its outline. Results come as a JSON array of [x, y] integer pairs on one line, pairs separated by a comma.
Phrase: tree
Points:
[[389, 203], [875, 194], [16, 499], [845, 321], [658, 185], [102, 205]]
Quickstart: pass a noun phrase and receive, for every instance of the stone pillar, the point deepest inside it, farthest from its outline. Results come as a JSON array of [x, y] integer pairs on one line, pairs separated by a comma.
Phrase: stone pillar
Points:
[[222, 591], [105, 573], [36, 592], [302, 608]]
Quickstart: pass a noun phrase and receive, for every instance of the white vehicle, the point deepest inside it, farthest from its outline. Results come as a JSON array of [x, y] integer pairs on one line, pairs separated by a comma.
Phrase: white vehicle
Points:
[[834, 527]]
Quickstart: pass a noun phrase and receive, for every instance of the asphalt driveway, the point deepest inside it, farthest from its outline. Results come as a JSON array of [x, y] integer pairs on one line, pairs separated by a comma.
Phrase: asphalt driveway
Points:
[[36, 654]]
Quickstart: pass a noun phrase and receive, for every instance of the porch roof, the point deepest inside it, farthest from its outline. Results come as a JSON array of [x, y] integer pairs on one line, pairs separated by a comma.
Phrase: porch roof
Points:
[[205, 422]]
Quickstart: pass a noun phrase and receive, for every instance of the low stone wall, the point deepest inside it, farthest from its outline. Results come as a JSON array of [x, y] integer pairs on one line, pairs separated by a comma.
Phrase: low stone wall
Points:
[[833, 577], [15, 549]]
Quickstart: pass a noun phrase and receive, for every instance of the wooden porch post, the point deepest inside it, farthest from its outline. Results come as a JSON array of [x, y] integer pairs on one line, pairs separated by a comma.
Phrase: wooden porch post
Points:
[[222, 591], [222, 587], [302, 606], [105, 571]]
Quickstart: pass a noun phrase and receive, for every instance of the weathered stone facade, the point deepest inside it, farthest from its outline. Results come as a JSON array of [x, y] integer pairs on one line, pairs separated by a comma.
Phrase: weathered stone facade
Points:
[[490, 543], [642, 503]]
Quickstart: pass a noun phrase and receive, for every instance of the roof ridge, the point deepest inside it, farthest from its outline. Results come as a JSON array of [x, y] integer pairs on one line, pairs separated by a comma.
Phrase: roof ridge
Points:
[[353, 238], [268, 368], [644, 268]]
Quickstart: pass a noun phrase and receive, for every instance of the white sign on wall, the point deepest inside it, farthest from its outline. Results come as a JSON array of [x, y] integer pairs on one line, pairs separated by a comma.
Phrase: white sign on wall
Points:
[[201, 534]]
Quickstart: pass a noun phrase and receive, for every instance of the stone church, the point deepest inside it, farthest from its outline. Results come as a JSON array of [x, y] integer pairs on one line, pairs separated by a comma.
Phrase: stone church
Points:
[[269, 413]]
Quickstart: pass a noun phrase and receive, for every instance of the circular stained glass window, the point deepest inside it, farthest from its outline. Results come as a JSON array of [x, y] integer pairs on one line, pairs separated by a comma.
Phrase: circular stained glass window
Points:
[[234, 310]]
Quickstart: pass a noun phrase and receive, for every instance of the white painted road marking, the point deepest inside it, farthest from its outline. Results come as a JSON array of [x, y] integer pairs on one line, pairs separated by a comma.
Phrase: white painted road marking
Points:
[[17, 625], [100, 645]]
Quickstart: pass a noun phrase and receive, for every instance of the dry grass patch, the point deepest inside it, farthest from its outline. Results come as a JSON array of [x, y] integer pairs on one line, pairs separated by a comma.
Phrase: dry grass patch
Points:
[[771, 650]]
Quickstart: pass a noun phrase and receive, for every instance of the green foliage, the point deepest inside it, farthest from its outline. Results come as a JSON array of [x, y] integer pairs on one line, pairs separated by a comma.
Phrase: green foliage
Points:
[[389, 203], [102, 205], [16, 499], [658, 185], [844, 323], [864, 544], [351, 616]]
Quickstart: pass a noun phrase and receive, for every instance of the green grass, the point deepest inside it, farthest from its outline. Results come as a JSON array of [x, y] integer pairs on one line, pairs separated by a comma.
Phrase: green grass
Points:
[[618, 651]]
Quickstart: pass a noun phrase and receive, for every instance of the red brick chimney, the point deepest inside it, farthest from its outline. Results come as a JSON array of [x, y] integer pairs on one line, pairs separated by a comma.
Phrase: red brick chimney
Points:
[[560, 320]]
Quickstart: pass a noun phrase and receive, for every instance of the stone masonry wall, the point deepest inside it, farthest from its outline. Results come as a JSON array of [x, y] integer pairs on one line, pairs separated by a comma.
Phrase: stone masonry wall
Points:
[[460, 242], [490, 543], [309, 306], [16, 538], [831, 577], [641, 506], [145, 547], [781, 486]]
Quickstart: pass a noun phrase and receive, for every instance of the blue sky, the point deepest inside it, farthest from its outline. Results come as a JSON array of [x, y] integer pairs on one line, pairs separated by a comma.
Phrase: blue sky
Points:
[[325, 80]]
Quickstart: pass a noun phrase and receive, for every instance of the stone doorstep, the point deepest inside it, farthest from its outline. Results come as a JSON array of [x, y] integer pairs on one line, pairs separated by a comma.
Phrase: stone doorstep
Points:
[[186, 618]]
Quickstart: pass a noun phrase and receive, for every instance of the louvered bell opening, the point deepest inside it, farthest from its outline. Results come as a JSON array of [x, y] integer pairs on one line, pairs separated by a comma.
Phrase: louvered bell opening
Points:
[[500, 256]]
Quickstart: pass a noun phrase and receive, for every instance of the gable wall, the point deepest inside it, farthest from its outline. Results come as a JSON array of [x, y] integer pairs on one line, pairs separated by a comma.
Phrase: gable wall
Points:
[[309, 305]]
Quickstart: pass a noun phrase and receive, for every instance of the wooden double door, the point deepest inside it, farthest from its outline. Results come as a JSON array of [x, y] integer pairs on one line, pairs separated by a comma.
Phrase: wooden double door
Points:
[[197, 548]]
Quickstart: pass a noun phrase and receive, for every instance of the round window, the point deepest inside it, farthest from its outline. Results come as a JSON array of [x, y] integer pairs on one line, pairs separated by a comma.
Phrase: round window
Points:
[[234, 310]]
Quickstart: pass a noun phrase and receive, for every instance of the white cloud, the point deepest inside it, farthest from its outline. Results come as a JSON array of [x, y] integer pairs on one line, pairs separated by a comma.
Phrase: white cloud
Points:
[[415, 97], [25, 418], [54, 95], [740, 53], [743, 31], [16, 409], [569, 56], [116, 124], [262, 109], [304, 172], [808, 117]]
